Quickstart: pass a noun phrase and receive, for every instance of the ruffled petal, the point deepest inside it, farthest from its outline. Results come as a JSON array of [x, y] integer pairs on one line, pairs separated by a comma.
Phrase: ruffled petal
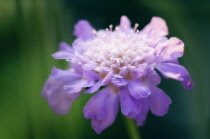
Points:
[[65, 52], [64, 75], [155, 41], [152, 78], [175, 61], [94, 88], [79, 46], [174, 71], [159, 101], [130, 106], [137, 72], [49, 88], [79, 85], [58, 98], [108, 79], [89, 66], [83, 30], [138, 90], [102, 108], [91, 74], [62, 101], [124, 23], [170, 50], [156, 28], [142, 116], [77, 68], [119, 82]]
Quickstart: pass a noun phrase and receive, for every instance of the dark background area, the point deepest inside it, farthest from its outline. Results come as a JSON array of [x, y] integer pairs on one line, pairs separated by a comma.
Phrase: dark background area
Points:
[[30, 31]]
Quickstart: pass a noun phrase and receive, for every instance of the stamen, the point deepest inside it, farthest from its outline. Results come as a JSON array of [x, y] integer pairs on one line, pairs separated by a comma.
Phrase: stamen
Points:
[[110, 27], [95, 33], [135, 26]]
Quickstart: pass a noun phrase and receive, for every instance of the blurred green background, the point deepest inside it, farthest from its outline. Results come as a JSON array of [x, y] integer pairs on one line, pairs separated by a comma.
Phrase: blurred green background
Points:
[[30, 31]]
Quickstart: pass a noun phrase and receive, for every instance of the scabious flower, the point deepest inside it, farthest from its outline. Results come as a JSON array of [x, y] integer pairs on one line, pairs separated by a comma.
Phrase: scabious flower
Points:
[[123, 62]]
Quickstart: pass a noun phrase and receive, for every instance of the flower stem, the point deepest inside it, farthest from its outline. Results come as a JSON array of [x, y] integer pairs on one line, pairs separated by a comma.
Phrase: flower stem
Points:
[[132, 129]]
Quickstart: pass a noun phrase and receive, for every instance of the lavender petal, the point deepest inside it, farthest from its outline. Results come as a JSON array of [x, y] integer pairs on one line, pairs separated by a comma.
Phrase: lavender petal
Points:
[[141, 117], [174, 71], [58, 98], [119, 82], [152, 78], [83, 30], [156, 28], [77, 86], [124, 23], [90, 74], [159, 102], [170, 50], [94, 88], [130, 106], [64, 75], [102, 108], [138, 90], [65, 52]]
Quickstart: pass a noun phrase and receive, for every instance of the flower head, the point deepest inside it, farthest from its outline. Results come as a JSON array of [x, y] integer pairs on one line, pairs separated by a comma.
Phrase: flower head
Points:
[[123, 60]]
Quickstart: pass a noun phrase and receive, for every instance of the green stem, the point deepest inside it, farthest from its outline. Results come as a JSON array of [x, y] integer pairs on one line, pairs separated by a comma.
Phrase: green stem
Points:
[[132, 129]]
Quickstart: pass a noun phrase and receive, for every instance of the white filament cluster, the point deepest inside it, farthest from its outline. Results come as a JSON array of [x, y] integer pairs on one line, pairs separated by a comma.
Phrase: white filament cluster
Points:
[[116, 51]]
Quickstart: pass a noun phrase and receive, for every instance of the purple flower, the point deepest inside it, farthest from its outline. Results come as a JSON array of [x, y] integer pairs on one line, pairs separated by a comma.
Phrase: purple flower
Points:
[[122, 61]]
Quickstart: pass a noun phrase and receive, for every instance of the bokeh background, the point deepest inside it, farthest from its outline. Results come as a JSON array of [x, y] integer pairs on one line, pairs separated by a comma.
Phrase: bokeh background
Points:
[[30, 31]]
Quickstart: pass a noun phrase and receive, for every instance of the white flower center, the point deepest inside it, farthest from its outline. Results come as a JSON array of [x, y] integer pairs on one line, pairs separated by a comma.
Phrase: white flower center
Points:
[[117, 51]]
